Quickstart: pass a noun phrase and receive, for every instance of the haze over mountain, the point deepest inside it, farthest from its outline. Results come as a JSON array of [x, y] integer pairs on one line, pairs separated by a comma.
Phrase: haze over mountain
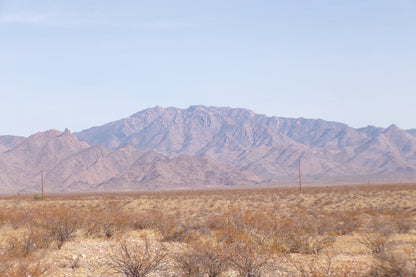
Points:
[[267, 146]]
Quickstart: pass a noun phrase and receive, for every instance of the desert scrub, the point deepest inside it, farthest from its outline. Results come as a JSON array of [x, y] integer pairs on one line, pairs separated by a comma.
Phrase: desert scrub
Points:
[[203, 256], [271, 232], [59, 222], [139, 260]]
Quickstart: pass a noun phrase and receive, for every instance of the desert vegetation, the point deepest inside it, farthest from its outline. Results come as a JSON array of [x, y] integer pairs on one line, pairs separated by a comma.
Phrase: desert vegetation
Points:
[[325, 231]]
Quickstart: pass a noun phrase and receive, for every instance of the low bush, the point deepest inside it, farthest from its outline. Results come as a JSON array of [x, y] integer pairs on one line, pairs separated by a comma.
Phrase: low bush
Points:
[[139, 260]]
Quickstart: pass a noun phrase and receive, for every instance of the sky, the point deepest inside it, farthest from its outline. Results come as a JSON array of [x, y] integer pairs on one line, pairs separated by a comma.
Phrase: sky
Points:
[[82, 63]]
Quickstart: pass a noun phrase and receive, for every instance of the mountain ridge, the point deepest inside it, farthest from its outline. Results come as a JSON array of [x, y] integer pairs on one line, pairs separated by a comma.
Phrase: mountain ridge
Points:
[[267, 146], [70, 165], [203, 147]]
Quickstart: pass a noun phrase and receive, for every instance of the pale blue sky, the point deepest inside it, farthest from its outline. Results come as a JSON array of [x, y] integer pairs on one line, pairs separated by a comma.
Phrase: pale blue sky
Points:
[[81, 63]]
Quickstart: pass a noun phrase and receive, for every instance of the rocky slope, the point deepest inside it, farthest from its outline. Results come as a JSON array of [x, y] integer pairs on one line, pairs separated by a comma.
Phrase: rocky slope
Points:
[[267, 146], [412, 132], [182, 172], [73, 166], [8, 142]]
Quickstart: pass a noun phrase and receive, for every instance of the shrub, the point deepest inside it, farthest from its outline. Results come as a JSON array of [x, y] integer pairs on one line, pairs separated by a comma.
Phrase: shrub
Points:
[[107, 220], [375, 242], [24, 244], [204, 257], [187, 264], [300, 233], [401, 263], [317, 266], [247, 258], [18, 267], [139, 260], [59, 223], [168, 226], [20, 246], [37, 197]]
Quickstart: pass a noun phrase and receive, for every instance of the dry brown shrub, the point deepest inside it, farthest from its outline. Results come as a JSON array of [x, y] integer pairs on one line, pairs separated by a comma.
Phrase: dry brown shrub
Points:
[[139, 260], [20, 245], [187, 264], [23, 244], [393, 221], [248, 258], [241, 235], [169, 226], [381, 223], [235, 223], [317, 265], [397, 263], [203, 257], [59, 223], [20, 267], [3, 217], [40, 237], [375, 242], [300, 233], [73, 262], [340, 222], [18, 217], [107, 219]]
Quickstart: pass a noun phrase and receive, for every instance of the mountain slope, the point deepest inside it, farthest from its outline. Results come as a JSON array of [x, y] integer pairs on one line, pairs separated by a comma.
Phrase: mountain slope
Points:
[[183, 172], [20, 166], [412, 132], [267, 146], [71, 165], [8, 142]]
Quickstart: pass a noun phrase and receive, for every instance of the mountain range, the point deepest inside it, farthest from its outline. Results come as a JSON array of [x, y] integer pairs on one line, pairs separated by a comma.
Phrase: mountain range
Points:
[[202, 147], [270, 147], [70, 165]]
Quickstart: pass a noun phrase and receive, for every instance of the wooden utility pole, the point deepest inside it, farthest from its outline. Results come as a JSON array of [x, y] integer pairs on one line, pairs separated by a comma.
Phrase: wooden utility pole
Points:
[[41, 177], [300, 179]]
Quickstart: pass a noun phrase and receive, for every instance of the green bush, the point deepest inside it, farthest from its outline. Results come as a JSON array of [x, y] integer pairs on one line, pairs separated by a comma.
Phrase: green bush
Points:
[[37, 196]]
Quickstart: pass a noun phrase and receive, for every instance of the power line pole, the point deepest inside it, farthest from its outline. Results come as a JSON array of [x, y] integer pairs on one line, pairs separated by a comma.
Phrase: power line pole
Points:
[[300, 179], [41, 177]]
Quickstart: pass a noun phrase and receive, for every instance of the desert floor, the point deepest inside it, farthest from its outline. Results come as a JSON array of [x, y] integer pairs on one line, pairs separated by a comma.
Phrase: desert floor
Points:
[[323, 231]]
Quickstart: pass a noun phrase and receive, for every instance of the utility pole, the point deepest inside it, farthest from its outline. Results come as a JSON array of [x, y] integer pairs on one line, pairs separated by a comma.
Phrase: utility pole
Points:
[[41, 177], [300, 179]]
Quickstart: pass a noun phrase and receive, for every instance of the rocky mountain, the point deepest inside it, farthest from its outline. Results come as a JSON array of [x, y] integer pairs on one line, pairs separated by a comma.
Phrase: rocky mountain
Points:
[[270, 147], [8, 142], [183, 172], [71, 165], [20, 166], [412, 132], [202, 147]]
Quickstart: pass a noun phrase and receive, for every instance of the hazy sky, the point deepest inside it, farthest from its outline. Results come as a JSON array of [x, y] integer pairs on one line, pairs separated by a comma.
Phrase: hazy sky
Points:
[[81, 63]]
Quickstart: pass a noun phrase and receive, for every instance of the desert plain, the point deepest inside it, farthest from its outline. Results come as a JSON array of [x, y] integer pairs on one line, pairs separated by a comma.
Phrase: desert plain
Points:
[[320, 231]]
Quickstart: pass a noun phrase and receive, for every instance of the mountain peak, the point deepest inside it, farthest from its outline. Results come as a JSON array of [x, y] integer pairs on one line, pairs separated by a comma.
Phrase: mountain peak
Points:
[[393, 128], [197, 108], [67, 132], [48, 133], [152, 110]]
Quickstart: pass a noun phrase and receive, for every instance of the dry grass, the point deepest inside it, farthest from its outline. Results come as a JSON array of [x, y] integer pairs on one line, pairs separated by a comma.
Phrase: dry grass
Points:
[[325, 231]]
